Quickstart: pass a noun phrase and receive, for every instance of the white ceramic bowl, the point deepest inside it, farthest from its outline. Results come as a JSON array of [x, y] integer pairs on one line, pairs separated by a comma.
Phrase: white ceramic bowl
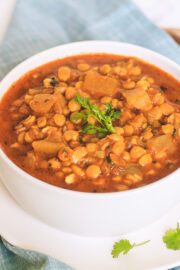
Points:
[[86, 213]]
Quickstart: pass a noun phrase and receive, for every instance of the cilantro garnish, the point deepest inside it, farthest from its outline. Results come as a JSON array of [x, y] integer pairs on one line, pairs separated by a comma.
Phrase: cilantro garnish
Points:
[[53, 82], [174, 132], [46, 100], [172, 238], [108, 159], [124, 246], [104, 118]]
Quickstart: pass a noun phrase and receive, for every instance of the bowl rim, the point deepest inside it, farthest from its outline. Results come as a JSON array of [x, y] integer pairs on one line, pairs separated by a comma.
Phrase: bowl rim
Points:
[[75, 193]]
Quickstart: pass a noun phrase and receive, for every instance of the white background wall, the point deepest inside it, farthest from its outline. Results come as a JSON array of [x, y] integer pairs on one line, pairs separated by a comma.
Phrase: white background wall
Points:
[[165, 13]]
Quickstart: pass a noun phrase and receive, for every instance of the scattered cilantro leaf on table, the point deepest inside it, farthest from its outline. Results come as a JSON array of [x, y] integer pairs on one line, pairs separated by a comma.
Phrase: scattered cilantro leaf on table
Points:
[[172, 238], [124, 246]]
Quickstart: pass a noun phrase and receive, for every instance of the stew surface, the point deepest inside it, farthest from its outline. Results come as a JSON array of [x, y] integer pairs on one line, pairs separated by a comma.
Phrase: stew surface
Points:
[[93, 123]]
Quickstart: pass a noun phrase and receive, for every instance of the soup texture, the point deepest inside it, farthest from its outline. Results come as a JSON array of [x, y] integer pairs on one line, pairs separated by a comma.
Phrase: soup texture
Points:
[[93, 123]]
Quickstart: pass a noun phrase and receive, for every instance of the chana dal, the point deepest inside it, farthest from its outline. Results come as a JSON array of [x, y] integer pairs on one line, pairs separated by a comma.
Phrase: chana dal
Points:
[[93, 123]]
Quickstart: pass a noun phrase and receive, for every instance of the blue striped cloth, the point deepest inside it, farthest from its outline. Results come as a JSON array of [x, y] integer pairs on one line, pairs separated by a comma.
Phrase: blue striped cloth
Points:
[[38, 25]]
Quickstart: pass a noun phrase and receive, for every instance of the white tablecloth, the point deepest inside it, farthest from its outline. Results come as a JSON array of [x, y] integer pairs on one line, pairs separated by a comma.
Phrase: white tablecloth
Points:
[[165, 13]]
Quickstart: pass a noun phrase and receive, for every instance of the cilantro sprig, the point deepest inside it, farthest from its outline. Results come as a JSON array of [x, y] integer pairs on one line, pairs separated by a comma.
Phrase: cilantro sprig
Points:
[[172, 238], [104, 118], [124, 246]]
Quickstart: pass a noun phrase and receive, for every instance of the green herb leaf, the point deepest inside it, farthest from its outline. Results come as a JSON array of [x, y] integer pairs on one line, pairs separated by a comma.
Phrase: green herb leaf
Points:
[[172, 238], [53, 82], [102, 135], [83, 101], [115, 114], [79, 116], [108, 159], [174, 132], [124, 246], [104, 118], [46, 100], [92, 129]]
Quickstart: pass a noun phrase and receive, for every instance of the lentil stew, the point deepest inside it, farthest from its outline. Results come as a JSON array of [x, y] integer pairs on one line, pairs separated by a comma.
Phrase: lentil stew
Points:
[[93, 123]]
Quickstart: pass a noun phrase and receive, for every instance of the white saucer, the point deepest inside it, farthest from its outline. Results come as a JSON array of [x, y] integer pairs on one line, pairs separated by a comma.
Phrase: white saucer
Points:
[[83, 253]]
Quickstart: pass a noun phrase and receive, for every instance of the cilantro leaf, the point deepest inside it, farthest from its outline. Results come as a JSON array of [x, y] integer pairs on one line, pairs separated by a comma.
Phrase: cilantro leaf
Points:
[[108, 159], [78, 116], [124, 246], [92, 129], [83, 101], [104, 118], [172, 238]]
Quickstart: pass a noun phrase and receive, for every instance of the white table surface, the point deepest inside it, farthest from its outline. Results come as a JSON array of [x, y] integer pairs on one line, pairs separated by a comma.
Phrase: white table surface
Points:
[[165, 13]]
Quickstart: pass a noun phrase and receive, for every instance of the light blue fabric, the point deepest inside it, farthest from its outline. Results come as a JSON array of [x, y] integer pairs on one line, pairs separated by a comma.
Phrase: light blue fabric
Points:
[[38, 25], [12, 258]]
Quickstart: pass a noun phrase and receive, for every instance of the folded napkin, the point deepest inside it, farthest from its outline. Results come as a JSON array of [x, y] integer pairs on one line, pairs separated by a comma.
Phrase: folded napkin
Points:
[[38, 25]]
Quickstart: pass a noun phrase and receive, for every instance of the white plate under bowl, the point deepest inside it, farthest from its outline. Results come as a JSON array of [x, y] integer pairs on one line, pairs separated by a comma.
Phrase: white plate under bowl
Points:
[[85, 253]]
